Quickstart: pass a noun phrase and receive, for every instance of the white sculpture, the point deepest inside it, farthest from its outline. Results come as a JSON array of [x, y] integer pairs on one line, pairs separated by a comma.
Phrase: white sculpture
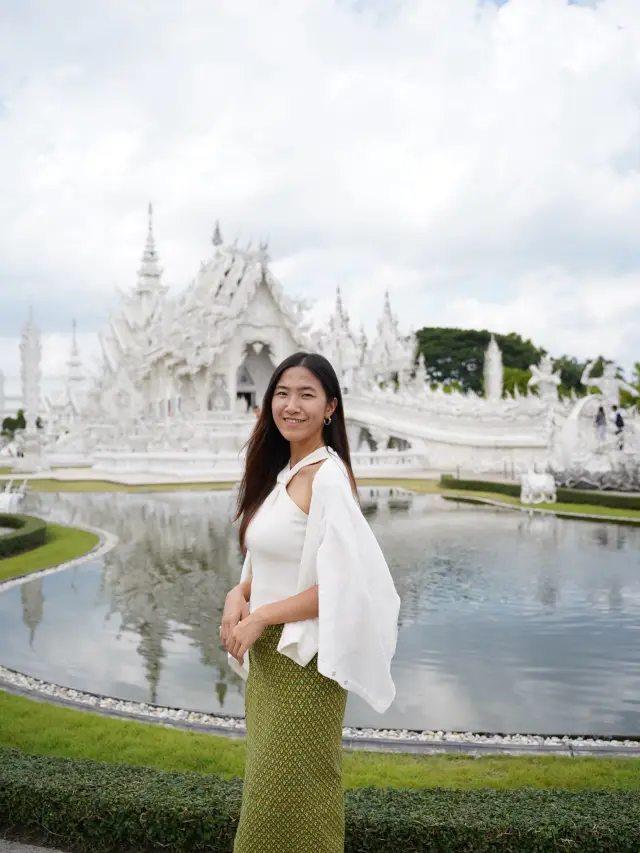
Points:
[[545, 379], [537, 488], [12, 499], [609, 385], [493, 372]]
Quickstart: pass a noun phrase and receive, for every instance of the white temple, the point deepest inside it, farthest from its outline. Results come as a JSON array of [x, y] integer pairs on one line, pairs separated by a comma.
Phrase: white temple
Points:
[[180, 376]]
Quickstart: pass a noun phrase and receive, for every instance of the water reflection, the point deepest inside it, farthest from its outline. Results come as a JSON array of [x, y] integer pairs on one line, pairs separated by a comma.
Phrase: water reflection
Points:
[[508, 622]]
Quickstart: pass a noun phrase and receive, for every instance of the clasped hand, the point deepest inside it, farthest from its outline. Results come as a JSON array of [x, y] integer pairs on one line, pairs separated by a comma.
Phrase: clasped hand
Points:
[[240, 629], [244, 635]]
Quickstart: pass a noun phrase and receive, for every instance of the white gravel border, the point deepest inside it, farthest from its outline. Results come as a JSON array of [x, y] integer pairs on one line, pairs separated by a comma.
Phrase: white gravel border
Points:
[[387, 740], [394, 740]]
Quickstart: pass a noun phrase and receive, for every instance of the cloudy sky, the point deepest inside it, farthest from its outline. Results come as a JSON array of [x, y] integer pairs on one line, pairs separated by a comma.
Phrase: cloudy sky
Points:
[[478, 159]]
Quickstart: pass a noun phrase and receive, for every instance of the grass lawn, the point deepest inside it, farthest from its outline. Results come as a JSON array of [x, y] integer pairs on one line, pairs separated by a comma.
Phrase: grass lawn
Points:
[[63, 543], [36, 727], [587, 509]]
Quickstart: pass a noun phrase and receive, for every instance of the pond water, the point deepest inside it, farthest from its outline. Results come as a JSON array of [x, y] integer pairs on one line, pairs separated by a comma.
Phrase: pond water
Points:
[[509, 622]]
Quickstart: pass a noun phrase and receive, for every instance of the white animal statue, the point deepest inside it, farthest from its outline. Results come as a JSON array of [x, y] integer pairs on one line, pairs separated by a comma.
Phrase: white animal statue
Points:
[[537, 488]]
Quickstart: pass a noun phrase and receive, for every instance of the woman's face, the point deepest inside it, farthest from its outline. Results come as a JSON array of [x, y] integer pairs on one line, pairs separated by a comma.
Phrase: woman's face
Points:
[[300, 405]]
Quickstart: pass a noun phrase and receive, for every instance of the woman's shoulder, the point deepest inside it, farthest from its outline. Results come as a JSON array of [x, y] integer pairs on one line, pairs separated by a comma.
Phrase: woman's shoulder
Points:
[[332, 473]]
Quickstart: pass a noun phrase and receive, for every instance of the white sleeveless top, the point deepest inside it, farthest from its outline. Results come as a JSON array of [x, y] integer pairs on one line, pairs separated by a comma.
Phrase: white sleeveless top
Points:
[[275, 538]]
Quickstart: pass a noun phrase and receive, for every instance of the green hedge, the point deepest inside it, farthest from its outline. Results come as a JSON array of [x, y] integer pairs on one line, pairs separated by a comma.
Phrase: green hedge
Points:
[[84, 805], [569, 496], [30, 532]]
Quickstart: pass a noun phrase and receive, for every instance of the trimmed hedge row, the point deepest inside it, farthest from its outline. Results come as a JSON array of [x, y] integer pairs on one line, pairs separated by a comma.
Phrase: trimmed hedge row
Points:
[[569, 496], [85, 805], [30, 532]]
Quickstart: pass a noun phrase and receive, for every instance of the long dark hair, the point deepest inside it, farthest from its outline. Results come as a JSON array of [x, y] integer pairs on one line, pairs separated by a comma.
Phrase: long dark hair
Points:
[[268, 451]]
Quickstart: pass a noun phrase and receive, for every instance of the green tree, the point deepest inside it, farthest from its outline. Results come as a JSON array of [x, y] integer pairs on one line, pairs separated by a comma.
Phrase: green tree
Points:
[[11, 425], [515, 377], [457, 355], [571, 371], [627, 399]]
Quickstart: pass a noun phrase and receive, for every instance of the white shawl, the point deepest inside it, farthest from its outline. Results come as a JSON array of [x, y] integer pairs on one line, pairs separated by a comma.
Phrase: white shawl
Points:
[[356, 630]]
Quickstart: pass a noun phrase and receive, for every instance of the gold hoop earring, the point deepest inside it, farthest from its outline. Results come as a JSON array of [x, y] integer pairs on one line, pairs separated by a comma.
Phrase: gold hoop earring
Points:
[[327, 421]]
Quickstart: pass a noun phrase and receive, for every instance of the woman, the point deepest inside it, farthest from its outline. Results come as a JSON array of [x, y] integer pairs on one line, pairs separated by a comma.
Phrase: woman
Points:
[[315, 613]]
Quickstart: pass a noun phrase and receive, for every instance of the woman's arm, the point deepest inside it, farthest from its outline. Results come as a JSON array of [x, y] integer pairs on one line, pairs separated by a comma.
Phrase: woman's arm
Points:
[[296, 608], [245, 587]]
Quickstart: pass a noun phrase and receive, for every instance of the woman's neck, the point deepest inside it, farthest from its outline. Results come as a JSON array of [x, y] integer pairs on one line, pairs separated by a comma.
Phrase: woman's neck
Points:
[[300, 449]]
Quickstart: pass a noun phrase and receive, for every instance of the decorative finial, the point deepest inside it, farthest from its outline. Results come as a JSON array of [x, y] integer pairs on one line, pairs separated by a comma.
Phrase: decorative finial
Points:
[[217, 236], [149, 254], [150, 272], [75, 342]]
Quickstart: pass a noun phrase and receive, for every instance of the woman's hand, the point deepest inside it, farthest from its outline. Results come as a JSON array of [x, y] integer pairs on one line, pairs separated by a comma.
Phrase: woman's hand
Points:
[[245, 634], [236, 608]]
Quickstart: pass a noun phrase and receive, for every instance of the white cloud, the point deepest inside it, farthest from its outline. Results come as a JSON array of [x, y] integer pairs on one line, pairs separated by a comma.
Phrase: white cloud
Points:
[[606, 320], [480, 162]]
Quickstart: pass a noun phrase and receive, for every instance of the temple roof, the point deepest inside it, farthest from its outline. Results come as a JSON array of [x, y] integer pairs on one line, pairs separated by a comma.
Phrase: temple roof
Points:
[[205, 317]]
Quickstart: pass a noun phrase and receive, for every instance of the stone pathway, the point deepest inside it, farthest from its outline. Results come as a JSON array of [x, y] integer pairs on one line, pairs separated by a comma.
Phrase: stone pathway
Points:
[[12, 847]]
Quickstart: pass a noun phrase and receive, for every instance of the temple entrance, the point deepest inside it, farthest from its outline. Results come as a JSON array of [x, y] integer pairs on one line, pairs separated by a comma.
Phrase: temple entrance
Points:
[[253, 376]]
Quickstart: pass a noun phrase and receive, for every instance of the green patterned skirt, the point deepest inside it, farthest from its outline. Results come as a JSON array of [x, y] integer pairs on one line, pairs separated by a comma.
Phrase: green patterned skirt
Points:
[[293, 799]]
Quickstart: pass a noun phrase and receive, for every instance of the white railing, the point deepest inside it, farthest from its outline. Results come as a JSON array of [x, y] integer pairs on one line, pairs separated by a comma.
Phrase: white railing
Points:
[[394, 459], [180, 464], [229, 465]]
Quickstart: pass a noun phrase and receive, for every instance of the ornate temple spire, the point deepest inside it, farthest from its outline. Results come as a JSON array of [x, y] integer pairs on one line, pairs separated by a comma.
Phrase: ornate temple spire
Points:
[[363, 344], [263, 252], [217, 236], [150, 272], [339, 305], [76, 370], [387, 305], [31, 375]]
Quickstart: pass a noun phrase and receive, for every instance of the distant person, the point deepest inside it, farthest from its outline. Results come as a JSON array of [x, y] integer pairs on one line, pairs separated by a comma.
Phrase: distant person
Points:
[[618, 423], [601, 424], [257, 411]]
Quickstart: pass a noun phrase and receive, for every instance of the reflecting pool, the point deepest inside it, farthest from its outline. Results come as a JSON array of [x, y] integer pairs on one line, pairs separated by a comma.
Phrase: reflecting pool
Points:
[[509, 622]]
